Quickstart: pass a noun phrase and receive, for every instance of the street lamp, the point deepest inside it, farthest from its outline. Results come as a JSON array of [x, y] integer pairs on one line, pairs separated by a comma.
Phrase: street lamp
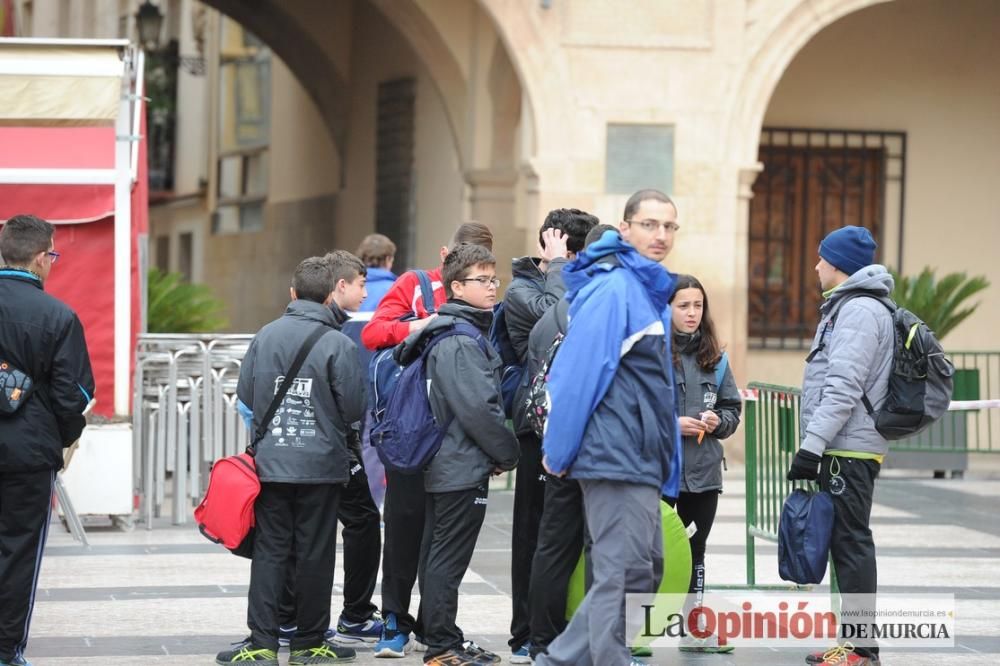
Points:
[[149, 21]]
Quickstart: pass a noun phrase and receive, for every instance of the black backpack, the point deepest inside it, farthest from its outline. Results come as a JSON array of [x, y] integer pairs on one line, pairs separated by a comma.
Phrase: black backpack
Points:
[[921, 379], [537, 398]]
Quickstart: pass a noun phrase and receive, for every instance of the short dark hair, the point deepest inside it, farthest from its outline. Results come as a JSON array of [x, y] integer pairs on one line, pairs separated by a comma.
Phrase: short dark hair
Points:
[[345, 266], [313, 279], [595, 234], [472, 233], [636, 199], [460, 260], [375, 250], [573, 222], [24, 236]]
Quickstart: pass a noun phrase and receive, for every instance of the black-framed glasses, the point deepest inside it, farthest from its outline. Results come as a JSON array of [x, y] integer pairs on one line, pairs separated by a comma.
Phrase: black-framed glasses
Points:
[[484, 281], [53, 255], [652, 225]]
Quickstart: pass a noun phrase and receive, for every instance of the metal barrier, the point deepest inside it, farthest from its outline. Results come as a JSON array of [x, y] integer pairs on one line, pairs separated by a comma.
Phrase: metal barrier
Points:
[[184, 417], [771, 418]]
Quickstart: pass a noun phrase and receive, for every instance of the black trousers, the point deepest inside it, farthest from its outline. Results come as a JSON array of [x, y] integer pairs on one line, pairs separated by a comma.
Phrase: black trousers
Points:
[[404, 516], [851, 483], [453, 521], [293, 521], [362, 539], [560, 542], [25, 510], [529, 499], [700, 509]]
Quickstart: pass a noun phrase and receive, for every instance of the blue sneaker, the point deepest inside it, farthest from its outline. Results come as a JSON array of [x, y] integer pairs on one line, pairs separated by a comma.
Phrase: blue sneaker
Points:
[[353, 633], [521, 655], [392, 643], [18, 660]]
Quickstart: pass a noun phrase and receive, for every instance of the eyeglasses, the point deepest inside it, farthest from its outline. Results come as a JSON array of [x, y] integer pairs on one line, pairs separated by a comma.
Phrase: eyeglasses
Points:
[[652, 225], [484, 281], [53, 255]]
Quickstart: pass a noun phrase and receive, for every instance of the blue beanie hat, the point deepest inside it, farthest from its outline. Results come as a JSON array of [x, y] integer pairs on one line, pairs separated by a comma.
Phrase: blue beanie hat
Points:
[[848, 249]]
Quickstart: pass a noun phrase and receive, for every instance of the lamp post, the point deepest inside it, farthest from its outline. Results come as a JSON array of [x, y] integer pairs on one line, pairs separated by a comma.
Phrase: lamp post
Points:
[[149, 21]]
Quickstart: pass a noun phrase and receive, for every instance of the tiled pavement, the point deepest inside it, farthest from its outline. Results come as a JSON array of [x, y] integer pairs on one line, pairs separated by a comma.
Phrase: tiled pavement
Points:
[[166, 596]]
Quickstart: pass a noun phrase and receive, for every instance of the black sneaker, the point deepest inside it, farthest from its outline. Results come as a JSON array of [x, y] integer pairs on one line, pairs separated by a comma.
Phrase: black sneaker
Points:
[[245, 652], [324, 653], [483, 655]]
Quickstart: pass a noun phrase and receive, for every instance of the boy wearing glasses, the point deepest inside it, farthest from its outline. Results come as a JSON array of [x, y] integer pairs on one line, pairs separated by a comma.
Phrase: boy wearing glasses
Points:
[[464, 385], [41, 339]]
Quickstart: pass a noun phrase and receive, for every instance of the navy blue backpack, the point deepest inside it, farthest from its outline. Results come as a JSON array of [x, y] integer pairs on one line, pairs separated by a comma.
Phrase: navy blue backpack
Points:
[[383, 371], [513, 375], [405, 434], [804, 536]]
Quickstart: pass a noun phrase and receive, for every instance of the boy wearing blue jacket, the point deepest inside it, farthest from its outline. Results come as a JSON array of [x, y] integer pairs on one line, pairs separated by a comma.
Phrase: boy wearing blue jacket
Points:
[[612, 422]]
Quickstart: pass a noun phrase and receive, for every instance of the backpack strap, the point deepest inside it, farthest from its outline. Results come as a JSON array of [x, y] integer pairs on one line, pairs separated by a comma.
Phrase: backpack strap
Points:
[[460, 328], [426, 290], [286, 384], [720, 370], [889, 304]]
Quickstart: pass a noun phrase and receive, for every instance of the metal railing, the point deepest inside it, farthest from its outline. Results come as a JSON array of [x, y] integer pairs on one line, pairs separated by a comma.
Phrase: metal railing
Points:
[[184, 417]]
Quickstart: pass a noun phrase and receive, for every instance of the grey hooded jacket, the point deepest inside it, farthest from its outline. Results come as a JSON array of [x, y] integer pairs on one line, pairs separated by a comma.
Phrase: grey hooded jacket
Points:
[[307, 439], [851, 355], [696, 393], [464, 385]]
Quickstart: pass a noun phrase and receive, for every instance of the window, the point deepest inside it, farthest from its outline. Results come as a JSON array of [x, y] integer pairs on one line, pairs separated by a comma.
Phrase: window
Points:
[[814, 181], [394, 131], [244, 122]]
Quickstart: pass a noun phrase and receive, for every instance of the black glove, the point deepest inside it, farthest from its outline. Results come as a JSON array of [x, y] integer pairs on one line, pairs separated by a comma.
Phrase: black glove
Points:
[[805, 465]]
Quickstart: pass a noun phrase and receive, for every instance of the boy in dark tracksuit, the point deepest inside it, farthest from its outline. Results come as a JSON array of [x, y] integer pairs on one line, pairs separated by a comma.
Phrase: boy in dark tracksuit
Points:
[[537, 286], [302, 463], [464, 387], [362, 534]]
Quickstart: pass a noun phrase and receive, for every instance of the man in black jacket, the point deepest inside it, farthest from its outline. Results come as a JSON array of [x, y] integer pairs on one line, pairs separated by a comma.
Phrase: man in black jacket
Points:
[[537, 286], [302, 462], [43, 339]]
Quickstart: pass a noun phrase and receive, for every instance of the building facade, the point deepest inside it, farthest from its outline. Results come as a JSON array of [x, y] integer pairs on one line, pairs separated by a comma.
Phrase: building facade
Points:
[[296, 126]]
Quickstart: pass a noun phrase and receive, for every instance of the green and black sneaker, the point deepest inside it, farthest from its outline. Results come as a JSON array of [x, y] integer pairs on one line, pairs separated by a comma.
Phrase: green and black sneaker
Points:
[[245, 652], [325, 653]]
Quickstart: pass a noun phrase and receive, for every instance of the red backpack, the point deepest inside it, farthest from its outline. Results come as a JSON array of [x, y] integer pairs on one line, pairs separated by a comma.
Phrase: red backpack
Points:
[[226, 514]]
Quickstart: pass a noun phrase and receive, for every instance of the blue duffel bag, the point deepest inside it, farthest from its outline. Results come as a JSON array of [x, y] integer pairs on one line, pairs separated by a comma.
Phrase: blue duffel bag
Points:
[[804, 536]]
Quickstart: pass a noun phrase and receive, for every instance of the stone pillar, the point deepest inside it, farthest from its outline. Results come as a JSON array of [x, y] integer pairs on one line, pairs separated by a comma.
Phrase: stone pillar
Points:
[[491, 194]]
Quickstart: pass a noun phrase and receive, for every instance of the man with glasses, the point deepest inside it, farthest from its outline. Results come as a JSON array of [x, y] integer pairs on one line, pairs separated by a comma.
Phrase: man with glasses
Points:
[[612, 424], [45, 385]]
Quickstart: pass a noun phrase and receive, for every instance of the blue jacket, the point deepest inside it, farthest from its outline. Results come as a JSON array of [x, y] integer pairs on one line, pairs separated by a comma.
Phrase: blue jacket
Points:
[[378, 283], [612, 412]]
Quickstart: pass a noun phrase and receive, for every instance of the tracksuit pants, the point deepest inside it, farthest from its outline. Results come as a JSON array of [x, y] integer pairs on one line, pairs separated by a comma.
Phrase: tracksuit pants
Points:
[[404, 516], [851, 483], [362, 537], [560, 542], [293, 521], [529, 498], [453, 522], [25, 511], [627, 557]]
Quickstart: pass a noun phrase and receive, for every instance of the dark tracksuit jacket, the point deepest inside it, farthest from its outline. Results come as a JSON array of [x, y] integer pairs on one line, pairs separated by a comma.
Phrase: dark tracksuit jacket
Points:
[[464, 386], [43, 338], [303, 465]]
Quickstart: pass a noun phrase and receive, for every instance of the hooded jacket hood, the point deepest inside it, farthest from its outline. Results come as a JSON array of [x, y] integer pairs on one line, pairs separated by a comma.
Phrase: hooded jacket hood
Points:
[[611, 250]]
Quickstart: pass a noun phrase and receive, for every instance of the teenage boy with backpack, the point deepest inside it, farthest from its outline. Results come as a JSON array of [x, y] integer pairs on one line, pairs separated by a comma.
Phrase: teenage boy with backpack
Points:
[[463, 376], [850, 361], [359, 622], [402, 311], [302, 462], [537, 285]]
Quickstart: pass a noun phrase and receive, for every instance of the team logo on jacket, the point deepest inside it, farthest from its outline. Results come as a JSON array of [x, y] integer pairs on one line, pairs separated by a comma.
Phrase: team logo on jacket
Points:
[[709, 399]]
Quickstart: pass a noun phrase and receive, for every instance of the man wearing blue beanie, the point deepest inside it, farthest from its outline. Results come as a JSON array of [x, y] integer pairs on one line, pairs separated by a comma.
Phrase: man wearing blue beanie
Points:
[[846, 381]]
